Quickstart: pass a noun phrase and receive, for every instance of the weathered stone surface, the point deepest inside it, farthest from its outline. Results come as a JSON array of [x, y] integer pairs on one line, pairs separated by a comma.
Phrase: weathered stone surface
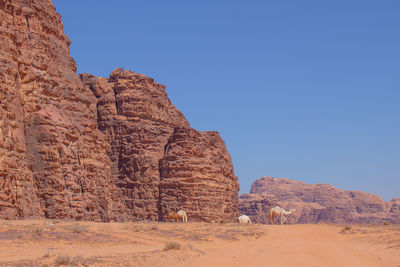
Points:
[[138, 119], [91, 148], [53, 159], [159, 163], [394, 209], [323, 202], [197, 176]]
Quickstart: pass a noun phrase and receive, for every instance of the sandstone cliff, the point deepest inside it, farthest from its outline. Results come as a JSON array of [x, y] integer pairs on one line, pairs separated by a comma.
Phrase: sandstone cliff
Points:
[[158, 162], [95, 148], [321, 202]]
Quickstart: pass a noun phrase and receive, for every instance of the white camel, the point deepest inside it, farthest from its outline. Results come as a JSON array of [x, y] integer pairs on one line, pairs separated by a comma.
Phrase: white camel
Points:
[[279, 212], [244, 219], [182, 215]]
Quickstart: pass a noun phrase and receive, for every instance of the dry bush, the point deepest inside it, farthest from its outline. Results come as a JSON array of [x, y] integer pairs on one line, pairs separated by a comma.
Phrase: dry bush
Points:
[[132, 227], [37, 232], [255, 234], [345, 229], [77, 228], [227, 236], [51, 227], [71, 261], [63, 260], [154, 227], [196, 237], [172, 245]]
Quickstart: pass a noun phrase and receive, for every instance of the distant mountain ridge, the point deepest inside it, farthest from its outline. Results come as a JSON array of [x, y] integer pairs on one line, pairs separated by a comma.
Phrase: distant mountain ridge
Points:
[[316, 203]]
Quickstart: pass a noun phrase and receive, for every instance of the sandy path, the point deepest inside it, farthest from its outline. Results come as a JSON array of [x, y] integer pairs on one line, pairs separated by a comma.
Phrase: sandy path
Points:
[[298, 245]]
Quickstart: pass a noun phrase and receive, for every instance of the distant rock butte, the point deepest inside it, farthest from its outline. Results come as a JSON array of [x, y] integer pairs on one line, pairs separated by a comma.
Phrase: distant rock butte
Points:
[[316, 203], [93, 148]]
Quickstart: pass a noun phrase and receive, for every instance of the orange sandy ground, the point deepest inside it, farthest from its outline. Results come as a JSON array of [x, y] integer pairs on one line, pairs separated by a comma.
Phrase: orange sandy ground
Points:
[[60, 243]]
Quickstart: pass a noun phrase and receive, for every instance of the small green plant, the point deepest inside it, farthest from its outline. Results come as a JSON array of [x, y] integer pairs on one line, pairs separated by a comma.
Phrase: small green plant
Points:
[[172, 245]]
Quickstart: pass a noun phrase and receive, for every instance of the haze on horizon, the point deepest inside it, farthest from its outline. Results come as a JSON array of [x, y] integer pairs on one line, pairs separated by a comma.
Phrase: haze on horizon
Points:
[[306, 90]]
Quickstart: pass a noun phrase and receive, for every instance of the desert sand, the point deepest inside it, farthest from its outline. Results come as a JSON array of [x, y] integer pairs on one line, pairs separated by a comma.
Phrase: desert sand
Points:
[[61, 243]]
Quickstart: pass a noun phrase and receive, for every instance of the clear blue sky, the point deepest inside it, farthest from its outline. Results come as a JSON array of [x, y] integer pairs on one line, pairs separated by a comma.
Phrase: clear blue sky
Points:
[[308, 90]]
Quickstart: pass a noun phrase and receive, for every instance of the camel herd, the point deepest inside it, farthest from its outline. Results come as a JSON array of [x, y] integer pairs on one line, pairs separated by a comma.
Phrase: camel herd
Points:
[[274, 213]]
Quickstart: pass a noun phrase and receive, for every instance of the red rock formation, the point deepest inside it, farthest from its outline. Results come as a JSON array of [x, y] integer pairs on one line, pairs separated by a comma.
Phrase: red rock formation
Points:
[[53, 158], [90, 148], [158, 161], [197, 176], [138, 119], [323, 202], [394, 209]]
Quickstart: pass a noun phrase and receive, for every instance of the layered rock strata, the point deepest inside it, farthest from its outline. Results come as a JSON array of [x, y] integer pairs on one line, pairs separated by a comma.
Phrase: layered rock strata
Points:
[[323, 202], [197, 176], [159, 163], [54, 160], [89, 148]]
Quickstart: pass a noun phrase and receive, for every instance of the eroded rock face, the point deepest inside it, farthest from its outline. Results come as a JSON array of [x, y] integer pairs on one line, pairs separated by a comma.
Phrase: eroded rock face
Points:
[[86, 147], [394, 209], [197, 176], [138, 119], [323, 202], [159, 163], [54, 160]]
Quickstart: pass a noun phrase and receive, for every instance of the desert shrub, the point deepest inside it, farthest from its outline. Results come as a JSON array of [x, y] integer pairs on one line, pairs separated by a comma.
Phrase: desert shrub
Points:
[[386, 223], [63, 260], [172, 245], [345, 229], [71, 261], [154, 227], [195, 237], [37, 232], [51, 227], [77, 228], [255, 234]]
